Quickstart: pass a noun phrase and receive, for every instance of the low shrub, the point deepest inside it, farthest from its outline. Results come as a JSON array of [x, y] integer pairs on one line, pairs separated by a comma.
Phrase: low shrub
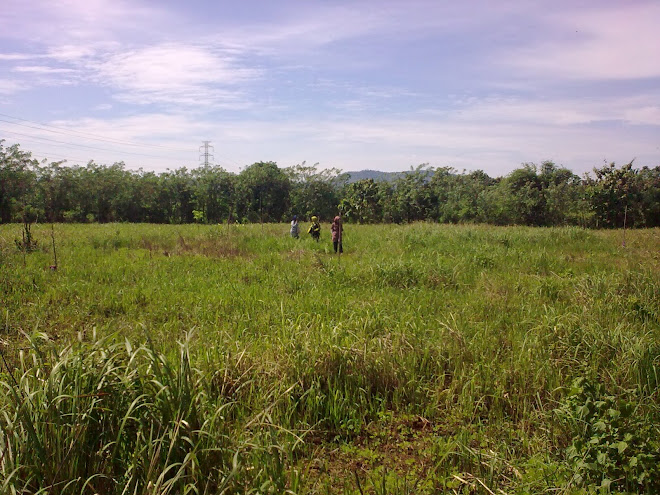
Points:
[[612, 444]]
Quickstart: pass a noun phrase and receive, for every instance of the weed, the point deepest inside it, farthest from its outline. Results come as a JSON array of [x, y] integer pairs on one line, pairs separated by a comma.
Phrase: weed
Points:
[[27, 243], [116, 419], [613, 445], [304, 369], [649, 370]]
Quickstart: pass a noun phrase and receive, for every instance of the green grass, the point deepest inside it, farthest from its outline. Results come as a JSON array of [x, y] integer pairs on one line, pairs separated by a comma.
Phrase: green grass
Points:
[[427, 358]]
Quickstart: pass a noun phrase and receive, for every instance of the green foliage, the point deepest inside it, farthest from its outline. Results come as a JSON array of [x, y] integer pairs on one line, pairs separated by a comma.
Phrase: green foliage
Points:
[[361, 201], [17, 181], [108, 417], [649, 179], [198, 215], [213, 190], [613, 444], [435, 353], [542, 197], [619, 195], [413, 195], [262, 193], [545, 195], [460, 197], [649, 371], [314, 192], [27, 243]]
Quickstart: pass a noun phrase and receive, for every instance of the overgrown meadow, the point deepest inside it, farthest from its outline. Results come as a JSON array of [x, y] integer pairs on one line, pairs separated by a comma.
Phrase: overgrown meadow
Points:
[[233, 359]]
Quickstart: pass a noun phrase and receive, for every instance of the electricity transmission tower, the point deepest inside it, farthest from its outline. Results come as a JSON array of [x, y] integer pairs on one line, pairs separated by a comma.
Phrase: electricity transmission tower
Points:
[[206, 153]]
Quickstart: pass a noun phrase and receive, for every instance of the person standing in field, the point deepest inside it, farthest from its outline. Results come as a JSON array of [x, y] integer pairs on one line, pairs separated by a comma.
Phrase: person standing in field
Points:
[[295, 230], [337, 230], [315, 229]]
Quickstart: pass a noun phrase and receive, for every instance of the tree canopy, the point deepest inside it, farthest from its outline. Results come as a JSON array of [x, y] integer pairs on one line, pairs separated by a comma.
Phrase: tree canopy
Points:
[[544, 195]]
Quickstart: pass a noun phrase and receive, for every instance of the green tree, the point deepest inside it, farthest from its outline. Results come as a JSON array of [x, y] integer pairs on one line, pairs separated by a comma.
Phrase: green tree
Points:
[[17, 182], [458, 197], [361, 201], [262, 193], [151, 201], [414, 195], [58, 189], [213, 193], [540, 196], [649, 179], [524, 198], [615, 196], [176, 196], [563, 193], [313, 191]]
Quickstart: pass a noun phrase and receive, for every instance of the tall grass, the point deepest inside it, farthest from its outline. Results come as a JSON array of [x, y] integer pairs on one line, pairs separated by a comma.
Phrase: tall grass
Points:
[[105, 417], [435, 358]]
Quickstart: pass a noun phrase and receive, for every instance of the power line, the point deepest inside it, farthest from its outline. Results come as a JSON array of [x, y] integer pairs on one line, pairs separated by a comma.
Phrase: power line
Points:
[[66, 144], [73, 134], [62, 130], [97, 137], [47, 155], [69, 160]]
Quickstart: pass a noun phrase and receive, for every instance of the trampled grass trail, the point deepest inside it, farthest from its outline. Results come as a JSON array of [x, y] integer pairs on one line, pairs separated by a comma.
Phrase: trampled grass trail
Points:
[[427, 358]]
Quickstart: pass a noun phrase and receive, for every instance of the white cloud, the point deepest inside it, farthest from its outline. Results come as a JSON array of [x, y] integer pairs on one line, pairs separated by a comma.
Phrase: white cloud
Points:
[[350, 116], [41, 69], [155, 141], [181, 74], [8, 86], [567, 111], [75, 53], [600, 42], [320, 34], [12, 57], [164, 141], [77, 21], [495, 148], [644, 114]]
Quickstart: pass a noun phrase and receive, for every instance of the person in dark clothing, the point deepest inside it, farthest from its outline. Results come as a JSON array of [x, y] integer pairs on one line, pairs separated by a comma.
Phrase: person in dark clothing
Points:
[[337, 230]]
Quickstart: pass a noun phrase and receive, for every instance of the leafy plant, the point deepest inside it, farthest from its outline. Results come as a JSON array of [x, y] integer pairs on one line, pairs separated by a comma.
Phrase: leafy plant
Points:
[[649, 370], [437, 373], [612, 444], [111, 418], [28, 243]]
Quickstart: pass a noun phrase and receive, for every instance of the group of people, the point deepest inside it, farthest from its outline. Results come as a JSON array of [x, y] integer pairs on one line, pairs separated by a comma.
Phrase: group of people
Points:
[[314, 231]]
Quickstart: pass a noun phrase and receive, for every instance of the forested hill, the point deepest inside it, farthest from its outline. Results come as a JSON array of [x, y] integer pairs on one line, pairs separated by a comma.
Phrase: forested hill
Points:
[[378, 176], [540, 195], [375, 175]]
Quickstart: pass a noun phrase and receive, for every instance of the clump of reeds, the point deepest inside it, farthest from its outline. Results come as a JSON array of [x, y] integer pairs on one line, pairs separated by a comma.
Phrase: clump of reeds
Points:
[[105, 417]]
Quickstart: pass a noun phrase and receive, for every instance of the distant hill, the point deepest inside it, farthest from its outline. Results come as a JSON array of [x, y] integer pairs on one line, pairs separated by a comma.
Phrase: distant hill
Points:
[[379, 176], [376, 175]]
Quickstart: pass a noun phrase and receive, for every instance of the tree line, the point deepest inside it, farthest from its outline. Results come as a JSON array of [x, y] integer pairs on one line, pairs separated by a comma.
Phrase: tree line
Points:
[[545, 195]]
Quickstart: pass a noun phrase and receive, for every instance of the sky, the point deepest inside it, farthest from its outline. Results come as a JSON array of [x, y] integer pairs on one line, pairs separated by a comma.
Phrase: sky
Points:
[[349, 84]]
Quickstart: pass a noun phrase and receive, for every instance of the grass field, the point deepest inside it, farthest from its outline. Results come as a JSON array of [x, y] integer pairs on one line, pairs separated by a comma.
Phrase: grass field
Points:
[[427, 358]]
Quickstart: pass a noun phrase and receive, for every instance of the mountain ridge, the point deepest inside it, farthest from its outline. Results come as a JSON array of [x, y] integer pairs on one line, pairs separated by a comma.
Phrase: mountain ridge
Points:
[[376, 175]]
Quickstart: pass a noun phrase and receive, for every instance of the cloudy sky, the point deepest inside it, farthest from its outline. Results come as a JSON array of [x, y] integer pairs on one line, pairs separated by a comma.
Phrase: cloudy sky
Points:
[[351, 84]]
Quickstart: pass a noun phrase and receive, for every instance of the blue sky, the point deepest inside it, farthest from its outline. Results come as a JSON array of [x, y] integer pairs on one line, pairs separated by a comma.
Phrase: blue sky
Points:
[[349, 84]]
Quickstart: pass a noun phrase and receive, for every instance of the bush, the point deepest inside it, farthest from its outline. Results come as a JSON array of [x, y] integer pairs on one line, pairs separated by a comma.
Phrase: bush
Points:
[[612, 444], [105, 417]]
